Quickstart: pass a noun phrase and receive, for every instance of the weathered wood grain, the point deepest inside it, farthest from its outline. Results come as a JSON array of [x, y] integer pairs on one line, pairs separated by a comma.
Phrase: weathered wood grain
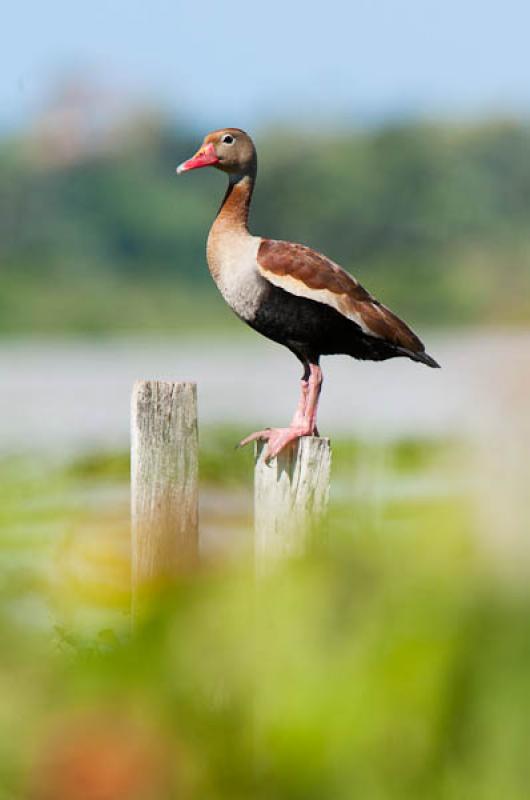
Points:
[[164, 481], [290, 496]]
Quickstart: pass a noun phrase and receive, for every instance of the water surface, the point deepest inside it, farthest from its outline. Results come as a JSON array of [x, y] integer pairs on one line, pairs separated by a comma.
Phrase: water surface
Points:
[[71, 395]]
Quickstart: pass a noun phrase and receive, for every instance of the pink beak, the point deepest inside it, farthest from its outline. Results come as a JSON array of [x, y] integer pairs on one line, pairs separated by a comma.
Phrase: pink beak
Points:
[[204, 157]]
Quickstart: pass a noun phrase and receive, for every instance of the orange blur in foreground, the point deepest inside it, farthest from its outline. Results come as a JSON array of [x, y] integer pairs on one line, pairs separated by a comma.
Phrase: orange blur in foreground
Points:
[[102, 759]]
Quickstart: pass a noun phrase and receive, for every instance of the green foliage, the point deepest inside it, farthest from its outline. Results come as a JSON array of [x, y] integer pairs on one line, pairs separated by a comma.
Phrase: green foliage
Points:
[[431, 218], [220, 464], [391, 662]]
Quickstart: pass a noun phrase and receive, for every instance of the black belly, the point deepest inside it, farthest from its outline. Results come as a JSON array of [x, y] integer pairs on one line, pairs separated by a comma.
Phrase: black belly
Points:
[[311, 329]]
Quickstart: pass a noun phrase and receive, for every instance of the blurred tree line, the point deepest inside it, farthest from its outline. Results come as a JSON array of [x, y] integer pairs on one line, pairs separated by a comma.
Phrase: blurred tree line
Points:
[[433, 219]]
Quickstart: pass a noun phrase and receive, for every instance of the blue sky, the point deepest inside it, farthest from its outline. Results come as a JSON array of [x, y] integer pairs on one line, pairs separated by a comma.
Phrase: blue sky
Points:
[[234, 63]]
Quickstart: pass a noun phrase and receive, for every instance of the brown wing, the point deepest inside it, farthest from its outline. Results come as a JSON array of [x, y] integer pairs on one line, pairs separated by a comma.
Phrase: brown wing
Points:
[[304, 272]]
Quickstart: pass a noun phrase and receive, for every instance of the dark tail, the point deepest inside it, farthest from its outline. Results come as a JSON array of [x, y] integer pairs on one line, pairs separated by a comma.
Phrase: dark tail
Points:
[[424, 358], [421, 357]]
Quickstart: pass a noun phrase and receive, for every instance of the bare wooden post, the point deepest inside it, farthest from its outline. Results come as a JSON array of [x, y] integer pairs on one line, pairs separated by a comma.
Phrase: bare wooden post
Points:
[[290, 497], [164, 476]]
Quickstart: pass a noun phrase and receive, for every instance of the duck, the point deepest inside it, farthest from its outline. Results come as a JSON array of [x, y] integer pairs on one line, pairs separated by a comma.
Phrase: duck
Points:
[[290, 293]]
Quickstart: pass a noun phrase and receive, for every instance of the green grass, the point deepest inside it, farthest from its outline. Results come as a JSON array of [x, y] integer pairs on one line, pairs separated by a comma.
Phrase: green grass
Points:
[[220, 463], [96, 304], [391, 662]]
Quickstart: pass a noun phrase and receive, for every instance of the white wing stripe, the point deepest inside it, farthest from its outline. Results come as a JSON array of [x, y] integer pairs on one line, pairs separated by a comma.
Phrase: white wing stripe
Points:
[[332, 299]]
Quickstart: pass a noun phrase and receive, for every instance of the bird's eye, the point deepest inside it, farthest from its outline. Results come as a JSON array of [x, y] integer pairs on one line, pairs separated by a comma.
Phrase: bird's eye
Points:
[[227, 139]]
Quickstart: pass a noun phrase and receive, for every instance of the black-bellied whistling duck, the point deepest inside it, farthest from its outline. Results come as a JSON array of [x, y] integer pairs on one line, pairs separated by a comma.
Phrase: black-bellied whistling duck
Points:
[[290, 293]]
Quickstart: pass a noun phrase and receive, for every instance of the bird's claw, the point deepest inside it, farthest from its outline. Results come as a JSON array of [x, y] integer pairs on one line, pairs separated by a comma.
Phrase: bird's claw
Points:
[[253, 437], [277, 439]]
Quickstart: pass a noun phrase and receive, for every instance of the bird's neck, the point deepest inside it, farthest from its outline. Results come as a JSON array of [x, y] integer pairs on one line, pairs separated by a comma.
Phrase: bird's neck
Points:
[[233, 213]]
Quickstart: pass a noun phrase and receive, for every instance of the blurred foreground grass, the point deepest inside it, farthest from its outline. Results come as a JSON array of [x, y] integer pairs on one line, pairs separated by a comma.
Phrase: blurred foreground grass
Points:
[[392, 662]]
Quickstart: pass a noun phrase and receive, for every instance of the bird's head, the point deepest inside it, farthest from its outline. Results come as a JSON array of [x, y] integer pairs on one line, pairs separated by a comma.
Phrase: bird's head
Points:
[[229, 149]]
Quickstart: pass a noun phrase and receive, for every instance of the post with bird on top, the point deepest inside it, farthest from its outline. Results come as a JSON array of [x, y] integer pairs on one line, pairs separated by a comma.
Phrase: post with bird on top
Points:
[[291, 493], [290, 490], [298, 298]]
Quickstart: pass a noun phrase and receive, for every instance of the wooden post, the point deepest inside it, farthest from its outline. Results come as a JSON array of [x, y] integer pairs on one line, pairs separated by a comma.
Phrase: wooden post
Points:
[[164, 477], [290, 496]]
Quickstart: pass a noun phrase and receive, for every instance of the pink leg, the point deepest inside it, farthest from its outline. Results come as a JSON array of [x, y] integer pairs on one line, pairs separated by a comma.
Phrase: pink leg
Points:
[[304, 422], [313, 396], [299, 414]]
